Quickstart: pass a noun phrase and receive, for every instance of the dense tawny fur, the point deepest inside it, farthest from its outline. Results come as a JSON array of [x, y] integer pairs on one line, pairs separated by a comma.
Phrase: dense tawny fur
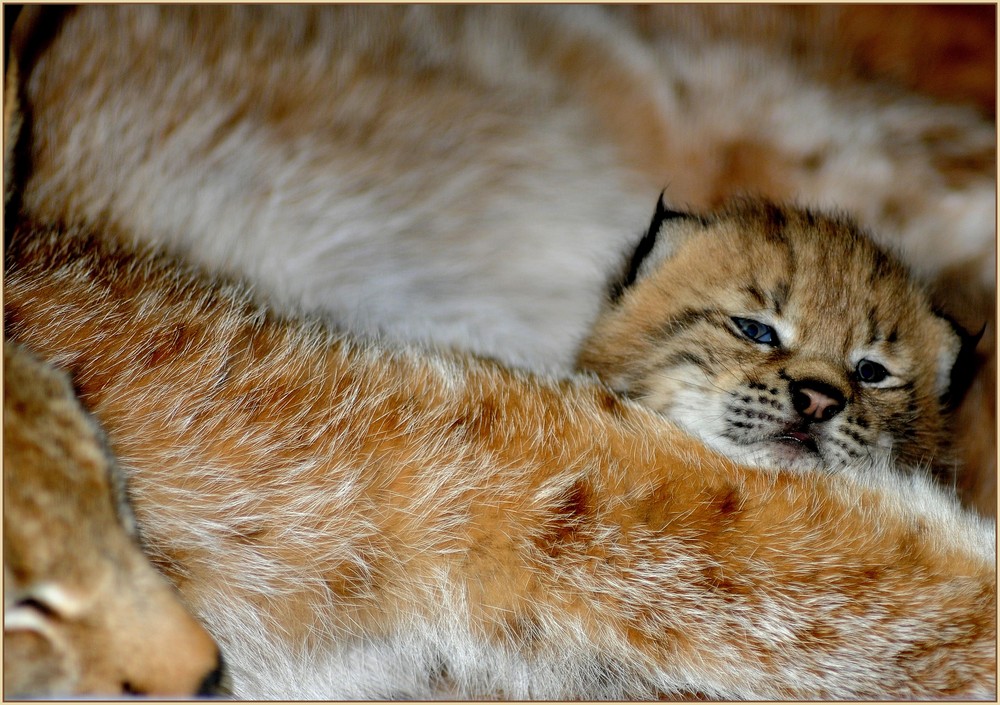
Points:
[[84, 612], [402, 167], [780, 337], [356, 521], [468, 175]]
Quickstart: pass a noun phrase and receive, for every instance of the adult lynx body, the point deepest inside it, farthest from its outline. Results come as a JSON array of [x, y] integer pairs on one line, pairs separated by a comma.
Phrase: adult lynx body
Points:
[[466, 177], [352, 521]]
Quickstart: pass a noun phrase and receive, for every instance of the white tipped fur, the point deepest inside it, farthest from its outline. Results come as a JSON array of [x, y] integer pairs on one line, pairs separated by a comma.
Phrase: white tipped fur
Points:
[[354, 521], [465, 176], [285, 158], [468, 177]]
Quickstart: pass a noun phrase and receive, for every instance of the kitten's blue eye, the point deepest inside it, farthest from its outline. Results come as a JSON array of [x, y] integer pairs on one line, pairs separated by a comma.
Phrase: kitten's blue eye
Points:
[[871, 372], [757, 332]]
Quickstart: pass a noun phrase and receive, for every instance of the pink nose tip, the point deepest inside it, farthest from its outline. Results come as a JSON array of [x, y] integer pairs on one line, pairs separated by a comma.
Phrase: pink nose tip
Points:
[[818, 405]]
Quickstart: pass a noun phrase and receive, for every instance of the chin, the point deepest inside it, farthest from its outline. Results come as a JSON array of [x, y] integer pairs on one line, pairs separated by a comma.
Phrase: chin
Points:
[[772, 454], [793, 456]]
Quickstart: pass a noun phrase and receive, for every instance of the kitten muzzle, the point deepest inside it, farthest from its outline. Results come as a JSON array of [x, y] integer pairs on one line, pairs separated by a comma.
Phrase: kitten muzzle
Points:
[[801, 438]]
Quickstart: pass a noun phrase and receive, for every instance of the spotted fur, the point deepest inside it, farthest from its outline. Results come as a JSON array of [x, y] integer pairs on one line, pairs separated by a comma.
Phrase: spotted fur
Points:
[[781, 337], [353, 520], [464, 176]]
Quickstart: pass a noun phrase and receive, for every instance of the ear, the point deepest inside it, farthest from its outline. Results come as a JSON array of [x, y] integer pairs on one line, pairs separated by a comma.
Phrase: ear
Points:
[[643, 249], [36, 662], [956, 370]]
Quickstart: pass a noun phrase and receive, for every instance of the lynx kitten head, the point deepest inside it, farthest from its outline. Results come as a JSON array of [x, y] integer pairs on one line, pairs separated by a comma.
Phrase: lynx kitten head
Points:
[[84, 611], [781, 337]]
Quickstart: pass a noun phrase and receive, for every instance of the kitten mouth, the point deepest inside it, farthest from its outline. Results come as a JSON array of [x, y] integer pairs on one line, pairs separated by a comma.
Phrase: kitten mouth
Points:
[[799, 438]]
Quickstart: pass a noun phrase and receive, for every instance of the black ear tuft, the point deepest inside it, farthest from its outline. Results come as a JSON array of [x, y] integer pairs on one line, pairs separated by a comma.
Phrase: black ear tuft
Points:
[[966, 364], [642, 250]]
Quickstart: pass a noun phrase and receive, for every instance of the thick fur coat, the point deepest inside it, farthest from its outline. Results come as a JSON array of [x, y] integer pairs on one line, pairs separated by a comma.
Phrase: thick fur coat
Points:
[[468, 176], [353, 517], [352, 521]]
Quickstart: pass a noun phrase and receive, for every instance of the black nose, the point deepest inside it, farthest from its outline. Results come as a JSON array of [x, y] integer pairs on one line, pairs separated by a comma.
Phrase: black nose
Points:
[[816, 400], [216, 683]]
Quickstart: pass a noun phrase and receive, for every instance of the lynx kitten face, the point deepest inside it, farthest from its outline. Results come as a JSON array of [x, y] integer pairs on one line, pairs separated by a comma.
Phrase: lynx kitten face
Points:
[[780, 337]]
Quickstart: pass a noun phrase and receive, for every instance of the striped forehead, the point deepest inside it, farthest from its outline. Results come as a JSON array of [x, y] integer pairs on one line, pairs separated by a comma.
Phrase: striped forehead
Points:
[[826, 293]]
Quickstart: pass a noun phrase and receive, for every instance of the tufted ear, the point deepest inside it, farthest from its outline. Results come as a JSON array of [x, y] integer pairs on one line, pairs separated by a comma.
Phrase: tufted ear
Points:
[[643, 249], [956, 378]]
